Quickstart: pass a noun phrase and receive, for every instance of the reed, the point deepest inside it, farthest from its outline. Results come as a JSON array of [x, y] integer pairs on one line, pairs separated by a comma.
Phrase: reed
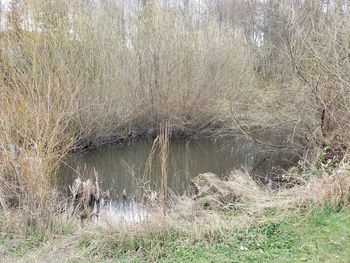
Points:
[[163, 142]]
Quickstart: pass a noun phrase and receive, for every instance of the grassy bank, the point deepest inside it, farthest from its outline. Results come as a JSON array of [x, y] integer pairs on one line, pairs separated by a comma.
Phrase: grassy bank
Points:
[[315, 235], [309, 222]]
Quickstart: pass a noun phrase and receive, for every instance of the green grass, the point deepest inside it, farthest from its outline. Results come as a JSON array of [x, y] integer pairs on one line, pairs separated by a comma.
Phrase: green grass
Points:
[[16, 246], [321, 235]]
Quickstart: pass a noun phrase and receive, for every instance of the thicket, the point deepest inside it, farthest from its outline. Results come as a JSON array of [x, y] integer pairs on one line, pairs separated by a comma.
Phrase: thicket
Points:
[[81, 72]]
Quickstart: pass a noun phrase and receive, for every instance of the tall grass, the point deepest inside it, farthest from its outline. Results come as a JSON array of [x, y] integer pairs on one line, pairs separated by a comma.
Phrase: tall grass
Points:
[[79, 72]]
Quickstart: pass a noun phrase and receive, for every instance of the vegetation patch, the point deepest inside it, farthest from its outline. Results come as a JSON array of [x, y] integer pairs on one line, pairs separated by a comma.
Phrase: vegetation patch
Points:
[[318, 234], [77, 74]]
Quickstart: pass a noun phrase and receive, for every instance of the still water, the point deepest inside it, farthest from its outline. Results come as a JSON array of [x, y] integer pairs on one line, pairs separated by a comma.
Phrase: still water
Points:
[[129, 167]]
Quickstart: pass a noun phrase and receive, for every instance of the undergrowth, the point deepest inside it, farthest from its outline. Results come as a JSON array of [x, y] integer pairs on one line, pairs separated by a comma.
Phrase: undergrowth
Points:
[[78, 74], [315, 235]]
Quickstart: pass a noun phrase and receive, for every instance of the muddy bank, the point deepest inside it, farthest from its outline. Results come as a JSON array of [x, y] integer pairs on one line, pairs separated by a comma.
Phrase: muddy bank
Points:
[[264, 136]]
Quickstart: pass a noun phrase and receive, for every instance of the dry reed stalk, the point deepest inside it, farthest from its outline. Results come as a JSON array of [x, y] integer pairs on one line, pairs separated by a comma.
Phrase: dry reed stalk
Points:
[[163, 142], [148, 194], [148, 166]]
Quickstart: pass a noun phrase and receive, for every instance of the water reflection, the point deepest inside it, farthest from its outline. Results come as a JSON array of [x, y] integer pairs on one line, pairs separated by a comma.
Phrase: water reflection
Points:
[[128, 168], [124, 213]]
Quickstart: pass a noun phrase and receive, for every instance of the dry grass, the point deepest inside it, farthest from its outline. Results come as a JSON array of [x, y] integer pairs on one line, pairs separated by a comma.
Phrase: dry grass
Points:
[[251, 202], [68, 79], [188, 222], [33, 139], [326, 189], [321, 190]]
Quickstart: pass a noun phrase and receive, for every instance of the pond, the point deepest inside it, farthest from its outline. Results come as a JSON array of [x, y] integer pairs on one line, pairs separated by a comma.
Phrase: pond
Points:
[[129, 167]]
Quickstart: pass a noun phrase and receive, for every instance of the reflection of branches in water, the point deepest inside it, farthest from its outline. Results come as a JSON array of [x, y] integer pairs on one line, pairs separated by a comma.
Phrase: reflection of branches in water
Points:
[[144, 183], [125, 213], [257, 166], [129, 169], [137, 168], [141, 183], [148, 164], [246, 131]]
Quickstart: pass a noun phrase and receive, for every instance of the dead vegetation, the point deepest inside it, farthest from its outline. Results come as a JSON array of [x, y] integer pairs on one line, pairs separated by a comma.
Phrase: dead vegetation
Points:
[[191, 219], [326, 189], [77, 73], [240, 191], [85, 196]]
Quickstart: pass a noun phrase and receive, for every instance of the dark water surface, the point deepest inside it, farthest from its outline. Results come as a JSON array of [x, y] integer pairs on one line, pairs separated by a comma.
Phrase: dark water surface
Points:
[[129, 166]]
